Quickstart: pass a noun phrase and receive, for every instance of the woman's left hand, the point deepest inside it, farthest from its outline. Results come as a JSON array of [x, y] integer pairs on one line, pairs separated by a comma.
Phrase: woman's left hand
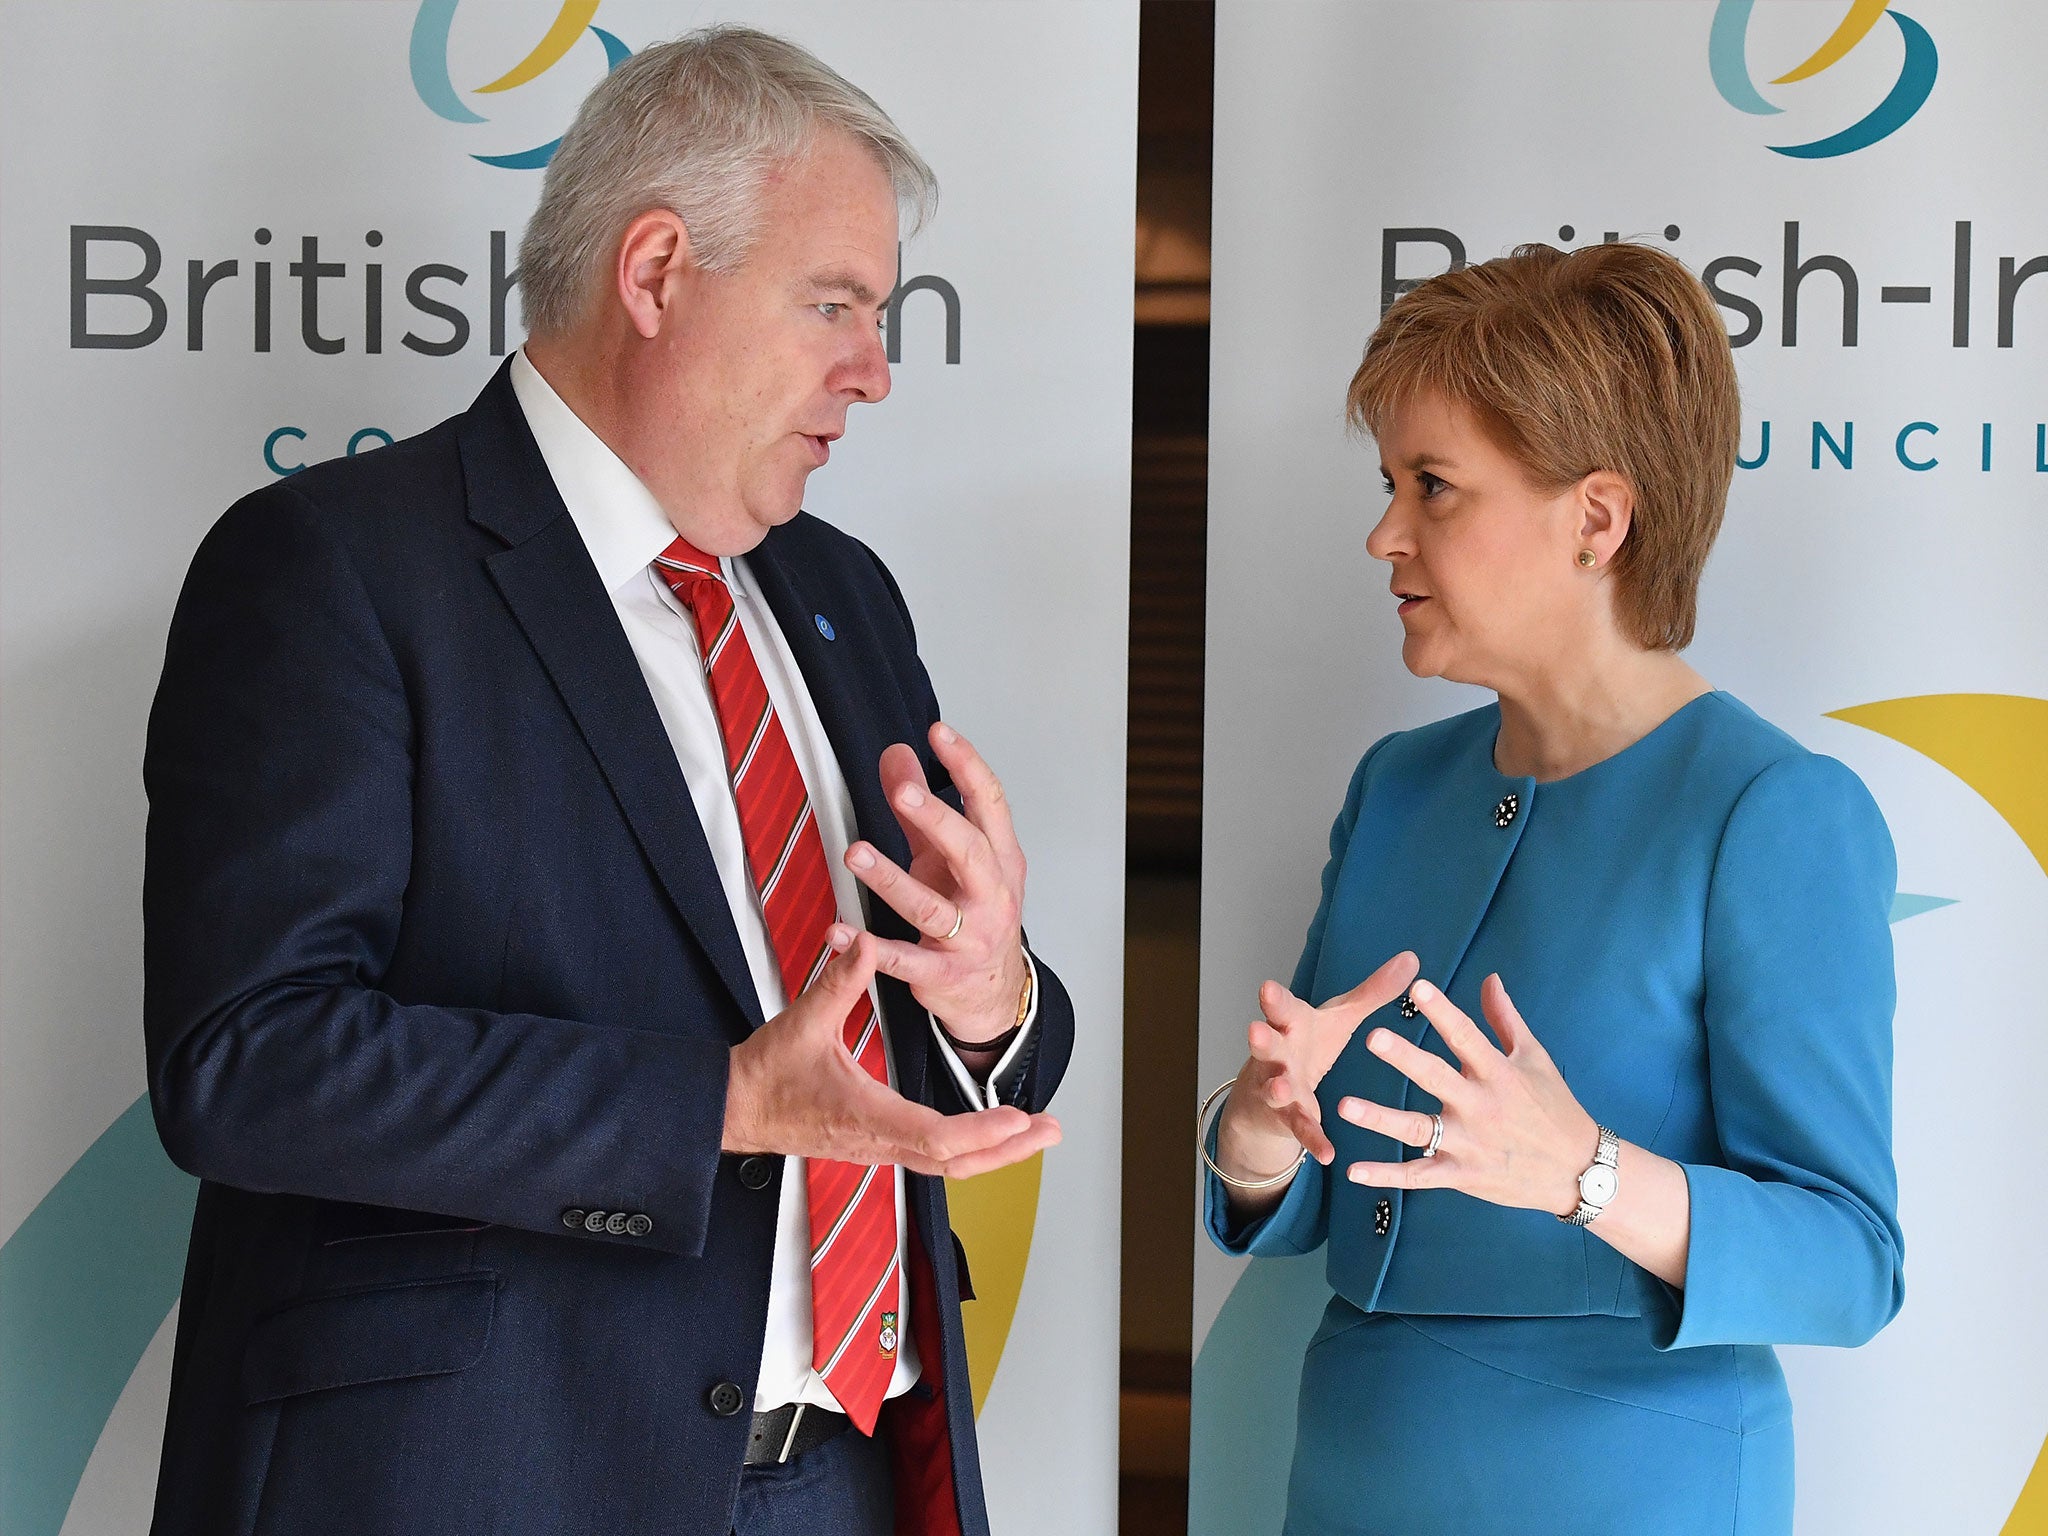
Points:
[[1513, 1133]]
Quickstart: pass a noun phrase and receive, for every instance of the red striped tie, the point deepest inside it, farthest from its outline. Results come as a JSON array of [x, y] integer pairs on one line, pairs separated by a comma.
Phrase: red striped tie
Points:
[[854, 1315]]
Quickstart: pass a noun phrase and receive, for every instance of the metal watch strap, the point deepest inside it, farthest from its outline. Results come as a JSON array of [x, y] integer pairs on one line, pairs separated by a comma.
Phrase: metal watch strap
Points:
[[1607, 1154]]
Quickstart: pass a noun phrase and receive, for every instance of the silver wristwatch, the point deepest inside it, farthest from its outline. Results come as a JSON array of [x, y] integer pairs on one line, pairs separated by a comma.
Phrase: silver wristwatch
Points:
[[1601, 1181]]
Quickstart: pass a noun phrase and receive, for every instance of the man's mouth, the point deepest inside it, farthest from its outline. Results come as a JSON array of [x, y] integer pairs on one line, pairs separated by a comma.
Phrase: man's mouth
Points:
[[821, 444]]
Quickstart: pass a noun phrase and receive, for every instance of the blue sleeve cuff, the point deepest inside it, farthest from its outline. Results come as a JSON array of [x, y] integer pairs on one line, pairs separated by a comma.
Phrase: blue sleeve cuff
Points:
[[1294, 1226], [1840, 1283]]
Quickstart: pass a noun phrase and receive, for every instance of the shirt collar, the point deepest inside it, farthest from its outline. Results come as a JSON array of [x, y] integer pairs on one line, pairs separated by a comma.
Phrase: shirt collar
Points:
[[621, 523]]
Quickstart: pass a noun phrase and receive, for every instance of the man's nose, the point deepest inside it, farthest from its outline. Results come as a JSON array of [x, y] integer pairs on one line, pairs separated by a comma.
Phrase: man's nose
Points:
[[865, 375]]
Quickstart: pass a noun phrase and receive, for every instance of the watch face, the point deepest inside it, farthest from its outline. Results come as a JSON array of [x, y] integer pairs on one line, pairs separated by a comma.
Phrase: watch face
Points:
[[1597, 1185]]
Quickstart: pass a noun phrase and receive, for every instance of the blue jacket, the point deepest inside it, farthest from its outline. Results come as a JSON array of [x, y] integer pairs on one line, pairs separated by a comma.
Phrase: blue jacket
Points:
[[1697, 929], [436, 956]]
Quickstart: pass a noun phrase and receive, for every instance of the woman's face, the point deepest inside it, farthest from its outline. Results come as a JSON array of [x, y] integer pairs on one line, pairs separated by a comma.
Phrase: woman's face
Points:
[[1485, 566]]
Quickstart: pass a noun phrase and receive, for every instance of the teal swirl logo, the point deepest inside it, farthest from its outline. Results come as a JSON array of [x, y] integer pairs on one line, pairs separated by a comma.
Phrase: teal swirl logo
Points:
[[1727, 57], [430, 76]]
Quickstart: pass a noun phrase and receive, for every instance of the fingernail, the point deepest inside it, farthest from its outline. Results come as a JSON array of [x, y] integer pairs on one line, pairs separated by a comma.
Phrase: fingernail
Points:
[[910, 797], [1376, 1042], [1347, 1107], [1421, 991], [1354, 1175], [860, 856], [945, 733], [840, 937]]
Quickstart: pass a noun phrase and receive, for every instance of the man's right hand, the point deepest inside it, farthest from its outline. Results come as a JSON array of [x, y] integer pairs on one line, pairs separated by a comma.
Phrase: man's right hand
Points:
[[795, 1089]]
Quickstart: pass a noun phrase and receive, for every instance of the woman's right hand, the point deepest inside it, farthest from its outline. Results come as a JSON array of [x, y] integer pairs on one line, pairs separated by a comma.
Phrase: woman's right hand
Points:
[[1272, 1112]]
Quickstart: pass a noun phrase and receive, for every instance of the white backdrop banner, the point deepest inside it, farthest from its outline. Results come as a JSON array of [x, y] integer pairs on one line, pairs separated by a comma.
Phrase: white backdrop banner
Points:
[[240, 238], [1861, 188]]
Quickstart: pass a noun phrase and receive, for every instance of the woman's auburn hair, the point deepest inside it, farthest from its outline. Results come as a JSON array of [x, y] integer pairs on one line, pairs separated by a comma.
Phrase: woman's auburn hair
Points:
[[1612, 357]]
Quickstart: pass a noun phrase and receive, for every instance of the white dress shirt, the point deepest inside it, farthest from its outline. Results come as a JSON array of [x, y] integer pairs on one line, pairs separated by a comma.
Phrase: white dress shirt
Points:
[[624, 528]]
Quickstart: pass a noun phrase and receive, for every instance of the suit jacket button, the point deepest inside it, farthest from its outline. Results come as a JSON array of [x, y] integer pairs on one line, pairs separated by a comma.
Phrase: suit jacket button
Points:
[[726, 1399], [757, 1173], [594, 1222], [1382, 1218], [639, 1225], [572, 1217], [615, 1224]]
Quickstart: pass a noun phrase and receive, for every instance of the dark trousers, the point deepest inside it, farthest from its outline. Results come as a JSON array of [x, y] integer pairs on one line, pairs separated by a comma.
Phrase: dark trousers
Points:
[[841, 1488]]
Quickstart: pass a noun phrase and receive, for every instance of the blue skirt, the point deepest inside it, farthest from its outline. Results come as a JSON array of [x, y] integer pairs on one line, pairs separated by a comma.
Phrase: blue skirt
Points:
[[1543, 1426]]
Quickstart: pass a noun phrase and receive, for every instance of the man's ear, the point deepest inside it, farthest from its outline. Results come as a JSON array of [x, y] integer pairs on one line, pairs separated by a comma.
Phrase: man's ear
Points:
[[1607, 510], [653, 262]]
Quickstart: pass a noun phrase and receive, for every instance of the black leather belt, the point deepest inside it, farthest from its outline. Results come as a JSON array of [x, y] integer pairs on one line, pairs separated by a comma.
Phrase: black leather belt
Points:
[[783, 1434]]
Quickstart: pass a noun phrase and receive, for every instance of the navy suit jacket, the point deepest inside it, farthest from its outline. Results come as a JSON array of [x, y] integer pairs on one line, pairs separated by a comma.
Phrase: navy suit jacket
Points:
[[436, 956]]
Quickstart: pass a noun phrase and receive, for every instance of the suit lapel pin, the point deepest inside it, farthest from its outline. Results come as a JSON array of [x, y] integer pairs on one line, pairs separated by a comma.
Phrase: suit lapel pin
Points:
[[824, 625]]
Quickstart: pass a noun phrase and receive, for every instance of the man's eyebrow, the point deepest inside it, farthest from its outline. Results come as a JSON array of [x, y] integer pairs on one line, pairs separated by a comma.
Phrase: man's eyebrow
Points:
[[844, 282]]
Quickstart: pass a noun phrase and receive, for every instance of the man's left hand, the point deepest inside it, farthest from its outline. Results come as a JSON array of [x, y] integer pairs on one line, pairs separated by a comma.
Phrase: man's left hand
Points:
[[964, 890]]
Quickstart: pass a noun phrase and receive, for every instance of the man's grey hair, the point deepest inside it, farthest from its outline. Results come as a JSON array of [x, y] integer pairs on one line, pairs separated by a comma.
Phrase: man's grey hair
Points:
[[694, 126]]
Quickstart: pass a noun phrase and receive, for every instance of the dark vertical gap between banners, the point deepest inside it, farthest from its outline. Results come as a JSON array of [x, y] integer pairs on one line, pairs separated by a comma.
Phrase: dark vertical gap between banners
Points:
[[1169, 517]]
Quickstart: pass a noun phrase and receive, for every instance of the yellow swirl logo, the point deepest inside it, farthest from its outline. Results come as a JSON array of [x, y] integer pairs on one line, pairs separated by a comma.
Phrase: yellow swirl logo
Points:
[[430, 75], [1728, 59]]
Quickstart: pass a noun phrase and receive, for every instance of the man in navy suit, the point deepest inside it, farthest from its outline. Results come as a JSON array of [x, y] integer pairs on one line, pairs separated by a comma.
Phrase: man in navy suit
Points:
[[511, 983]]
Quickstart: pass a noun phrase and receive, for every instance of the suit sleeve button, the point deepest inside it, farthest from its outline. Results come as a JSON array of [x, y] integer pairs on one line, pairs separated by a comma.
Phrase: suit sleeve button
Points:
[[615, 1224], [726, 1398], [639, 1225], [572, 1217], [757, 1173], [594, 1222]]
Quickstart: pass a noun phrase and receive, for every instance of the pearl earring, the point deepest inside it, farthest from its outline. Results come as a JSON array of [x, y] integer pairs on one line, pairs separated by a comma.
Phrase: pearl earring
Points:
[[1588, 559]]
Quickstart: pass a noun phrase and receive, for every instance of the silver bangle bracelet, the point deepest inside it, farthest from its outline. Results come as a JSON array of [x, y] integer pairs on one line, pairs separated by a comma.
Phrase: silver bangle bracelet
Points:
[[1202, 1146]]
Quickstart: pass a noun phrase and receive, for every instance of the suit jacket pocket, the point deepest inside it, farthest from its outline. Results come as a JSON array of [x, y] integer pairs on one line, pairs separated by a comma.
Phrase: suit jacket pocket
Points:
[[341, 1223], [371, 1333]]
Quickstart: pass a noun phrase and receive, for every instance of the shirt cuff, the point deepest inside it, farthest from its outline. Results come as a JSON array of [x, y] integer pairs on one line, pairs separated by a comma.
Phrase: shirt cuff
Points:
[[989, 1095]]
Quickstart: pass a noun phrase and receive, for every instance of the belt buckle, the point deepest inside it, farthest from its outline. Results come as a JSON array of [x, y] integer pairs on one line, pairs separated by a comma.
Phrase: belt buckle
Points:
[[789, 1439]]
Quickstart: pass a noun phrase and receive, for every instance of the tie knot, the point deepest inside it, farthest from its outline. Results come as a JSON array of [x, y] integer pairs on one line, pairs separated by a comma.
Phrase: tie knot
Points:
[[683, 562]]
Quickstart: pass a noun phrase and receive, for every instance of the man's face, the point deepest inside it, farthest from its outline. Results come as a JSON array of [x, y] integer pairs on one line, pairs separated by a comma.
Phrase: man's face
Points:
[[753, 372]]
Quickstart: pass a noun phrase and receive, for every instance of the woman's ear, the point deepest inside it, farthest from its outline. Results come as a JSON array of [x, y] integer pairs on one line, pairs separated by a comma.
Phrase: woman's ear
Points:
[[1608, 503]]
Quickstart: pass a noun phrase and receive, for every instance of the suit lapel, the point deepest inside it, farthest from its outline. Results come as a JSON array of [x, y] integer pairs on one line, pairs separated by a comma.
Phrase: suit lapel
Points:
[[839, 689], [547, 579]]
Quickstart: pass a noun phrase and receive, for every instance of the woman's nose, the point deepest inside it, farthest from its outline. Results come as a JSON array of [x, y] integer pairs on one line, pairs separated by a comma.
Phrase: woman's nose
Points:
[[1388, 538]]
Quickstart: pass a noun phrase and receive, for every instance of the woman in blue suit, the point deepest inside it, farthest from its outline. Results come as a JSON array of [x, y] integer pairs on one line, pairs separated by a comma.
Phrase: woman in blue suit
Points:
[[1564, 1241]]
